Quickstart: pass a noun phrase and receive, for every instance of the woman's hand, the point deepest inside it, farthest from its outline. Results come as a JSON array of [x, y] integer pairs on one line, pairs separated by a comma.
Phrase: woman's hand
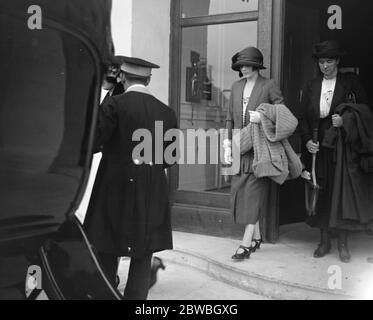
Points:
[[254, 116], [337, 121], [312, 147], [228, 155], [227, 147]]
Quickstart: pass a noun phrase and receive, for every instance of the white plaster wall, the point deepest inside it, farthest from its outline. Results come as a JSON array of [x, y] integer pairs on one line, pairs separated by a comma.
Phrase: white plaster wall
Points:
[[151, 40], [121, 26]]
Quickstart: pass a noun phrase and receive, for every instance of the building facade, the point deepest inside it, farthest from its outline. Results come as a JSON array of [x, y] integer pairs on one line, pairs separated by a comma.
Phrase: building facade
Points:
[[193, 42]]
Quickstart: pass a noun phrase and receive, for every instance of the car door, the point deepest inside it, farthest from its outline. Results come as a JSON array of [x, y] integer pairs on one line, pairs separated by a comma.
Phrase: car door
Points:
[[50, 82]]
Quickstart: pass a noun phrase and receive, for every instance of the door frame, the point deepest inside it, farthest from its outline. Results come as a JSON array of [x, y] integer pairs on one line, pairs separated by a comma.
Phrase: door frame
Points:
[[269, 15]]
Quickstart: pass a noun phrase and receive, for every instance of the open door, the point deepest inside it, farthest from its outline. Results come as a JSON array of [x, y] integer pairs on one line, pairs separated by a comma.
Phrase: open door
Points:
[[301, 32], [306, 23]]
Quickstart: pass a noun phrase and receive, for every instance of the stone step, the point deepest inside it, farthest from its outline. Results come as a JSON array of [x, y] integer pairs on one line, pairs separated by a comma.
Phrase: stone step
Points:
[[255, 283]]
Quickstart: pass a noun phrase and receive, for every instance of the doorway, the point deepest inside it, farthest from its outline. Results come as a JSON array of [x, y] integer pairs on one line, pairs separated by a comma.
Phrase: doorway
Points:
[[205, 34], [306, 23]]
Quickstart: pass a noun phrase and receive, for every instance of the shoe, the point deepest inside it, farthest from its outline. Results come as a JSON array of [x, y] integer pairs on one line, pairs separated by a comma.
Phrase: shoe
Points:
[[324, 246], [258, 242], [322, 250], [157, 264], [344, 254], [245, 254]]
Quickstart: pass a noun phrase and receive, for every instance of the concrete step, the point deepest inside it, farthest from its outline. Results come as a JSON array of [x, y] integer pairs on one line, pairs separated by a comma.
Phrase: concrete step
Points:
[[286, 270], [257, 284]]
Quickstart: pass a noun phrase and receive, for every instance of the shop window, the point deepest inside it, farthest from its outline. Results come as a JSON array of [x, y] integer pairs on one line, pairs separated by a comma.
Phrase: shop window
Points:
[[206, 79]]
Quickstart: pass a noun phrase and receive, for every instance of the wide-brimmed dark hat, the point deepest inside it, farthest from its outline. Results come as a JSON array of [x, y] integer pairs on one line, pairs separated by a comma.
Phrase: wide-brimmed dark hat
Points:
[[328, 49], [250, 56]]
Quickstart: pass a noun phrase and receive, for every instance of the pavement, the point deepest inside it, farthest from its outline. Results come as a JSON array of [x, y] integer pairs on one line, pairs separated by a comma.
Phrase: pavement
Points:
[[200, 268], [179, 282]]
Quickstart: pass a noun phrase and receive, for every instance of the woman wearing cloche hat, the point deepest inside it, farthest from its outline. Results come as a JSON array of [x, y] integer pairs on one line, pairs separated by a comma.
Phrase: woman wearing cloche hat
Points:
[[320, 99], [250, 196]]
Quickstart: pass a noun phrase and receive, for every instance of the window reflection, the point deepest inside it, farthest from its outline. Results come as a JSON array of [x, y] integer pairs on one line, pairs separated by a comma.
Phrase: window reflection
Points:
[[206, 80], [45, 116]]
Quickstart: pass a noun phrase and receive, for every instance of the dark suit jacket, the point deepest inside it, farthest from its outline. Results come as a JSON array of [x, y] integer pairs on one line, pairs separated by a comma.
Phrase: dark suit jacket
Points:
[[309, 115], [118, 89], [129, 213], [264, 91]]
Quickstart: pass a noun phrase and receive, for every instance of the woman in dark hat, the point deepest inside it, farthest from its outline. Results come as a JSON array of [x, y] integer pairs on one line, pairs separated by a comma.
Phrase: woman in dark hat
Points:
[[320, 98], [250, 196]]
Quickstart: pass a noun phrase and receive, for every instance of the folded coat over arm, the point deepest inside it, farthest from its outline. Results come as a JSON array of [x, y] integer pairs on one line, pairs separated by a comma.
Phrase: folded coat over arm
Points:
[[273, 154]]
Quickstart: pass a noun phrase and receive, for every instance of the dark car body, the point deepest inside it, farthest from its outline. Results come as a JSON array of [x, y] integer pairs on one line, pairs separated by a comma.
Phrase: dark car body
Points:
[[50, 83]]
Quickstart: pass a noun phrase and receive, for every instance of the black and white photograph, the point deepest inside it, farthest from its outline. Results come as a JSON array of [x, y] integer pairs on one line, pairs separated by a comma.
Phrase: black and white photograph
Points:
[[191, 153]]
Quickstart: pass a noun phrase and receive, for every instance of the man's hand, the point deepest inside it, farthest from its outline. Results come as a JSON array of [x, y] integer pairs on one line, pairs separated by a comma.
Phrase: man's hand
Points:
[[312, 147], [254, 116], [337, 121]]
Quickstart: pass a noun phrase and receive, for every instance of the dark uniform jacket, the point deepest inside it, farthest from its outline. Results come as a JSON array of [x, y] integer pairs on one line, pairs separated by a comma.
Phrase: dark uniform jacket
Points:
[[129, 214]]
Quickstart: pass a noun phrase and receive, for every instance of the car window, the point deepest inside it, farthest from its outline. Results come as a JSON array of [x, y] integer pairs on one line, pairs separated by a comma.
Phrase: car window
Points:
[[46, 101]]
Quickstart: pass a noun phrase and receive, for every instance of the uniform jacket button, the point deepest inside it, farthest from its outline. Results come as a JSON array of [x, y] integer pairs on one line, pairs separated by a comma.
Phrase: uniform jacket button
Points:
[[151, 163], [129, 249], [136, 161], [131, 180]]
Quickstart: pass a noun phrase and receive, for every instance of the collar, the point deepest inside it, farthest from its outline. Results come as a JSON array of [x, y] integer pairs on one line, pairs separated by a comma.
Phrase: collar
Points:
[[111, 91], [138, 88], [331, 79], [336, 76], [135, 86]]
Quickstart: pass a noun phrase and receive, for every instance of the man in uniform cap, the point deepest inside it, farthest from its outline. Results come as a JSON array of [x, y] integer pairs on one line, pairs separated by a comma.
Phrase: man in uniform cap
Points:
[[129, 213]]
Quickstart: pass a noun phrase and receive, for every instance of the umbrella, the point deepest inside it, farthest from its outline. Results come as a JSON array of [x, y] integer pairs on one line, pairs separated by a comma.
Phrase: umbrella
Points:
[[311, 187]]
